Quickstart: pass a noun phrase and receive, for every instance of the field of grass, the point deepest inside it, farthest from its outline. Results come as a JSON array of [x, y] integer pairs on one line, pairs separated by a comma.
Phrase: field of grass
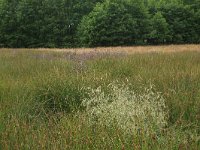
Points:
[[101, 99]]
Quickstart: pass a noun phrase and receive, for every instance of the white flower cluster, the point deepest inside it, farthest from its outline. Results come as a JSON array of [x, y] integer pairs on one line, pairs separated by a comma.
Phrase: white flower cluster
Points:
[[125, 109]]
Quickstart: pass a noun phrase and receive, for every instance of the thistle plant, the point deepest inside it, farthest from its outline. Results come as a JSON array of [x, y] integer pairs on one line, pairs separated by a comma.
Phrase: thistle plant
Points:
[[126, 109]]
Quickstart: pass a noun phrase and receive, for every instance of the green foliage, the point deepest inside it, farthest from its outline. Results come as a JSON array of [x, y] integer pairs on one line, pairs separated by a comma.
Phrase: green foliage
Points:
[[160, 32], [35, 23], [114, 23], [9, 24], [72, 23], [181, 23], [197, 25]]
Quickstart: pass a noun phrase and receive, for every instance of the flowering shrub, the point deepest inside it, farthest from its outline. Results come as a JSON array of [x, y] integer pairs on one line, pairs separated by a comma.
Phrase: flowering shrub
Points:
[[126, 109]]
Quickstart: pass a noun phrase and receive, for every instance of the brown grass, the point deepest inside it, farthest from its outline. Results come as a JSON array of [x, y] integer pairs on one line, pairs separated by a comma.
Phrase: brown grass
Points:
[[129, 50]]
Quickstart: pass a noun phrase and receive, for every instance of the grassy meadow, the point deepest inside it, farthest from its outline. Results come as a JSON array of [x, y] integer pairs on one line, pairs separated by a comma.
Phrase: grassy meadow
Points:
[[100, 99]]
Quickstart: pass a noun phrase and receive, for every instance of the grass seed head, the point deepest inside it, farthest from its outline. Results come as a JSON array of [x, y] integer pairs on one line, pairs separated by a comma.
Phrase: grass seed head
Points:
[[122, 107]]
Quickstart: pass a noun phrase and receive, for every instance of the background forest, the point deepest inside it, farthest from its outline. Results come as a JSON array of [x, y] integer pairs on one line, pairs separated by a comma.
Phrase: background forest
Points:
[[90, 23]]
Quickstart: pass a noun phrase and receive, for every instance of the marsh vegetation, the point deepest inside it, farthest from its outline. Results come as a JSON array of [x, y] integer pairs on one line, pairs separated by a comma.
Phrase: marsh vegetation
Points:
[[93, 100]]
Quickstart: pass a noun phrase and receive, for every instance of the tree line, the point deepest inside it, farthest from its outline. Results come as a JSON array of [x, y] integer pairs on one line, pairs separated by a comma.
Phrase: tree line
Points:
[[90, 23]]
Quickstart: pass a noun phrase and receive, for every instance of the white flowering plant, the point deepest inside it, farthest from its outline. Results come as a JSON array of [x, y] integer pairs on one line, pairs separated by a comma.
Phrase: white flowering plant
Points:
[[126, 109]]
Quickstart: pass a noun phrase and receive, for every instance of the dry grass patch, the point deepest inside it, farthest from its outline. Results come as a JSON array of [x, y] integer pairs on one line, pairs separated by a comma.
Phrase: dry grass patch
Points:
[[129, 50]]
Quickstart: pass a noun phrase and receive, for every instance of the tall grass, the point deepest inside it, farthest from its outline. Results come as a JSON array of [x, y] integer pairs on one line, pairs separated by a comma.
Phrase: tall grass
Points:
[[41, 95]]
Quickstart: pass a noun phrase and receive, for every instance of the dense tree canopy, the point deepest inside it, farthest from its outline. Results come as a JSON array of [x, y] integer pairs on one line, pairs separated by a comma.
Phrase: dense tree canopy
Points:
[[160, 29], [46, 23], [115, 22], [72, 23], [181, 22]]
